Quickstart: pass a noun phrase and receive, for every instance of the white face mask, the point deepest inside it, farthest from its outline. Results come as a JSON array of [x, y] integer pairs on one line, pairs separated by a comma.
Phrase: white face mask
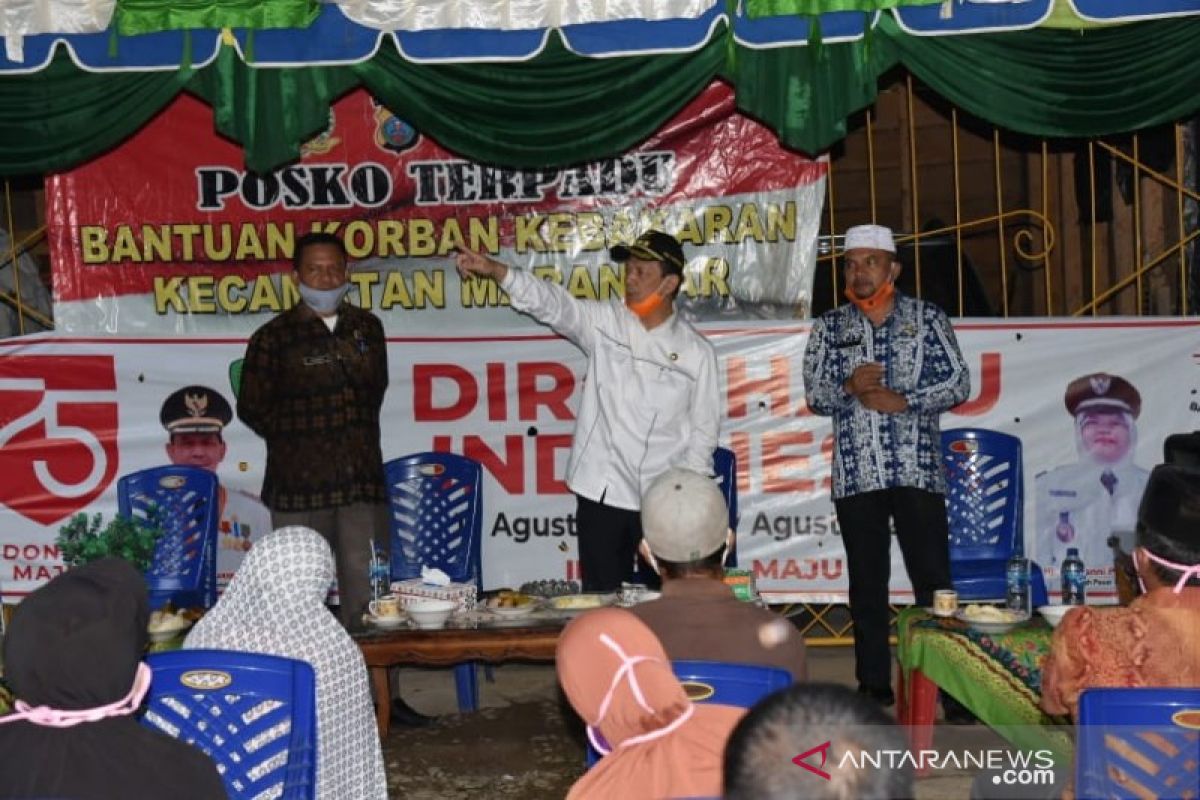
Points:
[[625, 673], [323, 301]]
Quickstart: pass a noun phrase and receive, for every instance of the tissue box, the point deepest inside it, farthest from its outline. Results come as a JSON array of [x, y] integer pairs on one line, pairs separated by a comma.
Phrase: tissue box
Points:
[[416, 589]]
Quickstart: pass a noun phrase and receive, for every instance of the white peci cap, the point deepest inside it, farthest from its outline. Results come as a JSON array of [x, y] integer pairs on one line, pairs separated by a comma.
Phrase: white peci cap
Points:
[[874, 237], [684, 517]]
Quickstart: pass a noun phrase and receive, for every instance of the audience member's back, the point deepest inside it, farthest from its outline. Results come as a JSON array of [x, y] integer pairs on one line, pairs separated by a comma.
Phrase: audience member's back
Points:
[[275, 605], [617, 678], [1156, 640], [838, 726], [686, 536], [75, 645]]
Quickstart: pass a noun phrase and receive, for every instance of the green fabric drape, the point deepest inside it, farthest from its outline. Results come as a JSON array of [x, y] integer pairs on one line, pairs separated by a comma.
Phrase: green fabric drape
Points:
[[806, 94], [1062, 83], [270, 112], [560, 108], [147, 16], [61, 116], [557, 109]]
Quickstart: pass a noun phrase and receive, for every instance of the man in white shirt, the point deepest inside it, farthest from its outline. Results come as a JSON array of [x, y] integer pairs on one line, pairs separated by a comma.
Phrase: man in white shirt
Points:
[[650, 399]]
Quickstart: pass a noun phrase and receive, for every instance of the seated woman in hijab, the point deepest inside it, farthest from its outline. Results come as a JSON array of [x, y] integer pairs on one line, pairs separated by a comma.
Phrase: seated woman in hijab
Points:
[[275, 604], [1156, 640], [618, 678], [73, 659]]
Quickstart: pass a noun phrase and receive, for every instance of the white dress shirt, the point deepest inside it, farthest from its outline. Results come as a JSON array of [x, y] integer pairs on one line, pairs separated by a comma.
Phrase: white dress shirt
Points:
[[650, 397]]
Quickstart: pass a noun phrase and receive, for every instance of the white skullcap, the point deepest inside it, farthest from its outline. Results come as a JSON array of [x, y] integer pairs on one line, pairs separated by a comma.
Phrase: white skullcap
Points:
[[684, 517], [874, 237]]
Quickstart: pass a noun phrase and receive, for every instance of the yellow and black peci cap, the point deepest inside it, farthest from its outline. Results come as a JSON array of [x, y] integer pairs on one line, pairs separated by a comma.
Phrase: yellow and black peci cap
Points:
[[653, 246]]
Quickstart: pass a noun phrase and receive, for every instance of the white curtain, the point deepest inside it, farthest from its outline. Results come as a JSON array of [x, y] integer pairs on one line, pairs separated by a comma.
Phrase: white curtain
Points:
[[21, 18], [420, 15]]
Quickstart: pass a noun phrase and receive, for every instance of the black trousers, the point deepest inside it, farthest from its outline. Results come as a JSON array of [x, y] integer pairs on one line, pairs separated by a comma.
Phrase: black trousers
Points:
[[924, 536], [608, 540]]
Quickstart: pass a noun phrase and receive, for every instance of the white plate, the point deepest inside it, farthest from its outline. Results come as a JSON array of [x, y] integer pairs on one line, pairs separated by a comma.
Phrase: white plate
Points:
[[988, 626], [386, 622], [513, 611]]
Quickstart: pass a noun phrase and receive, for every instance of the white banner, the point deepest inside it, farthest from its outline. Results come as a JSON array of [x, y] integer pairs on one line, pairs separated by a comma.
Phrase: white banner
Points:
[[76, 413]]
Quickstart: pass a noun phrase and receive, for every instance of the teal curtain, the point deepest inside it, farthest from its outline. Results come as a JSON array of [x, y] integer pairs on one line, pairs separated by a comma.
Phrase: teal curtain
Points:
[[557, 109], [270, 112], [1062, 83], [61, 116]]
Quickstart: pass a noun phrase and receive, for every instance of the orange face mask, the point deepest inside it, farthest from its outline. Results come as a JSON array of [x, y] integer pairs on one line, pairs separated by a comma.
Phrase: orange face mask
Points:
[[647, 305], [867, 304]]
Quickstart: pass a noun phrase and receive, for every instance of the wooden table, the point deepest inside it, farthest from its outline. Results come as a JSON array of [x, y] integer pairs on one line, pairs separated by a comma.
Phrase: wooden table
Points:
[[477, 637]]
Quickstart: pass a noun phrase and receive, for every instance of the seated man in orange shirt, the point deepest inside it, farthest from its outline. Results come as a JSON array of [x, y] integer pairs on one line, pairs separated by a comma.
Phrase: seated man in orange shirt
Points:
[[1156, 640], [685, 528]]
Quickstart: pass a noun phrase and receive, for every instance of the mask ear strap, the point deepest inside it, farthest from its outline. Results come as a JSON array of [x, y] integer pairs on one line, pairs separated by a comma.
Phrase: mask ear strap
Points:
[[59, 718]]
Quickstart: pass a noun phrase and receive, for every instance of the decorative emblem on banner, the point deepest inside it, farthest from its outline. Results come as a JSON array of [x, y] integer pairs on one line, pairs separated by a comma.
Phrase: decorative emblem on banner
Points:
[[172, 481], [58, 433], [323, 142], [964, 446], [391, 132]]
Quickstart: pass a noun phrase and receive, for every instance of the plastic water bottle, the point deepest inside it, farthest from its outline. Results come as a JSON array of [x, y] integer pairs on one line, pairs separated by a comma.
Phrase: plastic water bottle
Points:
[[1074, 578], [1016, 579], [380, 573]]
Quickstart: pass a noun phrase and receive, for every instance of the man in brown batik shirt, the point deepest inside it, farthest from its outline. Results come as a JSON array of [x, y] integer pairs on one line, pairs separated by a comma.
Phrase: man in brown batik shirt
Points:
[[312, 386]]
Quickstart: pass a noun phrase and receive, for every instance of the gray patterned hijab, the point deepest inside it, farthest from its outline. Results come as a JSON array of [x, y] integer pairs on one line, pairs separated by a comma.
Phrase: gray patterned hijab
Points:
[[275, 605]]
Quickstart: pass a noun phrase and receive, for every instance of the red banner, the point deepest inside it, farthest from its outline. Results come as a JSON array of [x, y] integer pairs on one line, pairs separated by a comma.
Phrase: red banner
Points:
[[168, 233]]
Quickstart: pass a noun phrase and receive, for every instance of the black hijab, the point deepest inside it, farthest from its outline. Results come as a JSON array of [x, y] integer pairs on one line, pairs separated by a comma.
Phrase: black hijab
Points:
[[75, 643]]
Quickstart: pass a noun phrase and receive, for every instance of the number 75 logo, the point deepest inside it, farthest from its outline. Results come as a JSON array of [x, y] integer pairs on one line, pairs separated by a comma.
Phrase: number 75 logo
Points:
[[58, 433]]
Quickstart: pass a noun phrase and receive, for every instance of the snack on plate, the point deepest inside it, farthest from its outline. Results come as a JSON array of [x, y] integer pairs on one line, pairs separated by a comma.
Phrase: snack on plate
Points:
[[576, 602], [978, 613], [510, 599], [162, 621]]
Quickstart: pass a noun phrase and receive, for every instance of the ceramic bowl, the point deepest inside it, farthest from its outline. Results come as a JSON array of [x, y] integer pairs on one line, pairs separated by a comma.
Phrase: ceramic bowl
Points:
[[1054, 614], [430, 613]]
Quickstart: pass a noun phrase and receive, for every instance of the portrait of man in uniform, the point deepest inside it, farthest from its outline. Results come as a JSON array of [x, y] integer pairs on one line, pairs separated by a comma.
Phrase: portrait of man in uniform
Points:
[[1084, 503], [195, 418]]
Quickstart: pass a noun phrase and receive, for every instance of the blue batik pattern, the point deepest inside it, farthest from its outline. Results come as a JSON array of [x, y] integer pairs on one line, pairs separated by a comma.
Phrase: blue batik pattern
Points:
[[921, 360]]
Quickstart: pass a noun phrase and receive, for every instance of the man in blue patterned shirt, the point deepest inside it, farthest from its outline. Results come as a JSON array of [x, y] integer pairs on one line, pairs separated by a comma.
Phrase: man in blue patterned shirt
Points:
[[885, 366]]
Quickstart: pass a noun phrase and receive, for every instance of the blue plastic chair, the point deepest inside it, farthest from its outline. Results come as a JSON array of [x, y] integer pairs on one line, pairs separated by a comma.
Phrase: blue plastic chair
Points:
[[725, 684], [722, 683], [436, 520], [254, 715], [1138, 743], [184, 501], [725, 467], [985, 508]]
